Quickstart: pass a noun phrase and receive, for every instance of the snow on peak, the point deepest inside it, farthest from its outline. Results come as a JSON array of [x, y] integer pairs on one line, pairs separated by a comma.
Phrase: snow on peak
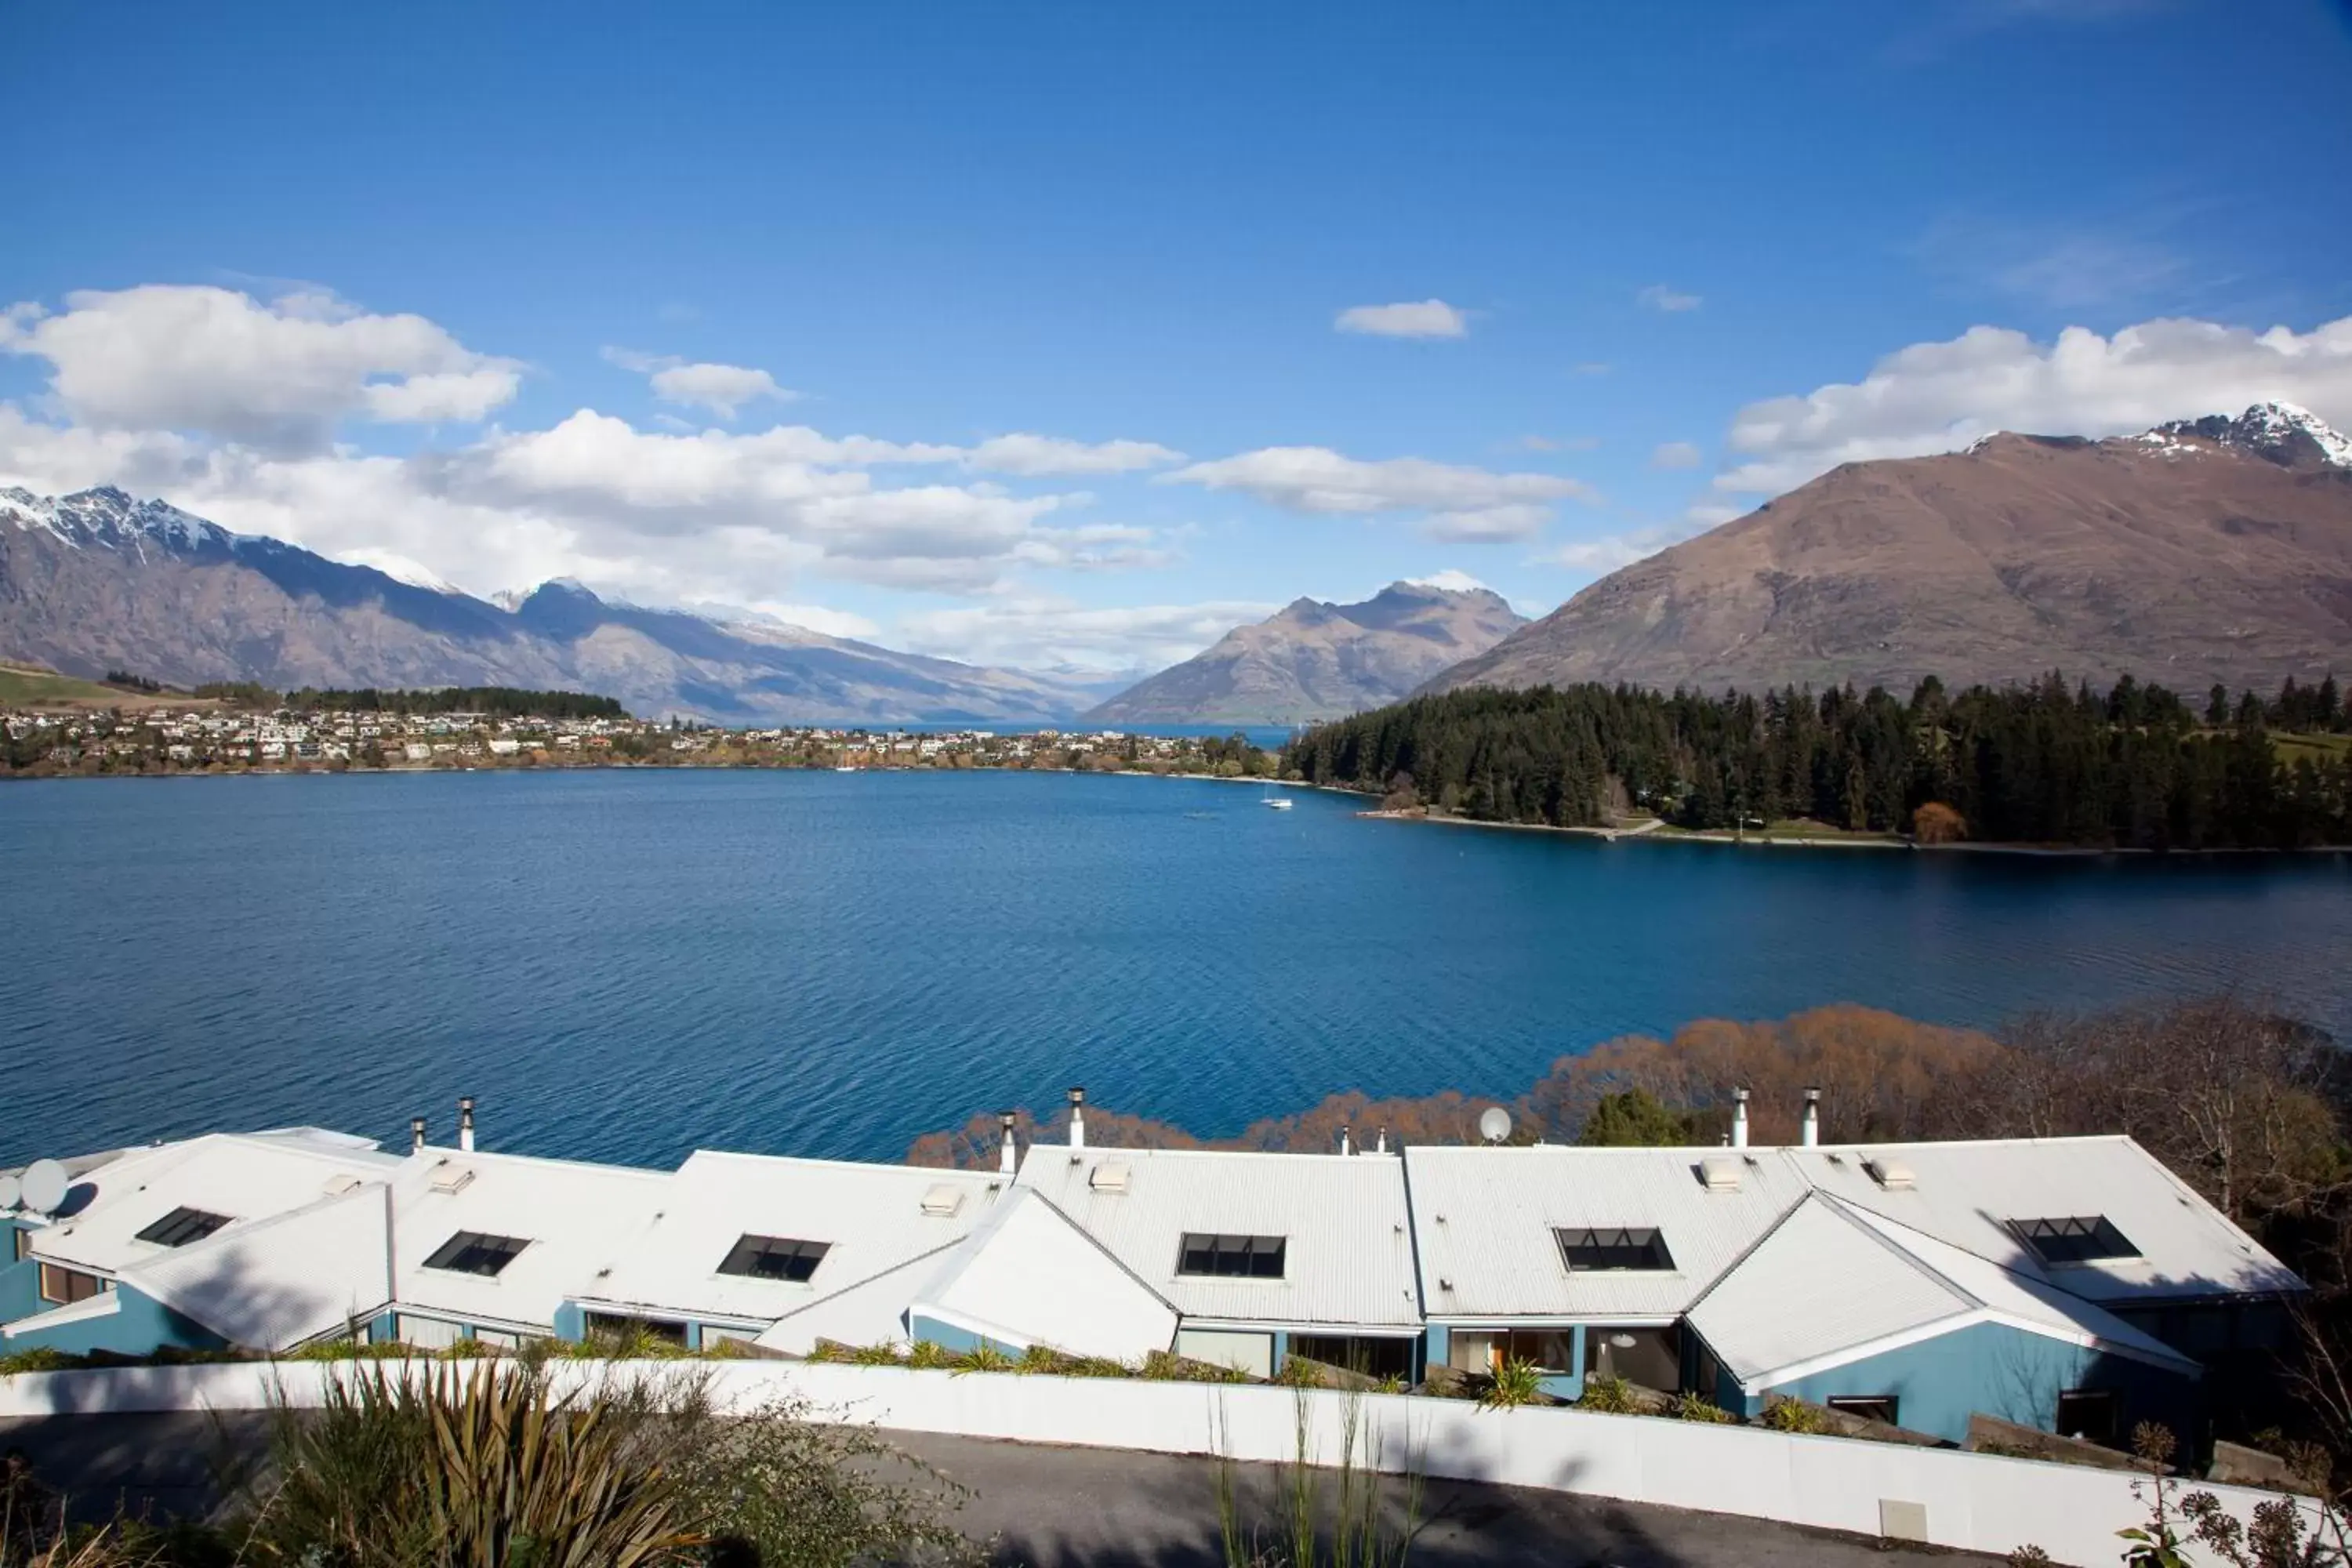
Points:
[[2281, 432], [108, 517]]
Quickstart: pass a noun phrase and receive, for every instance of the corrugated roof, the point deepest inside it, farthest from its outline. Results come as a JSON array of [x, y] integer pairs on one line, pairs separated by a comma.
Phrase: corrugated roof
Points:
[[1966, 1194], [1094, 1306], [871, 1218], [281, 1281], [1818, 1284], [1348, 1256], [1485, 1220], [245, 1177], [577, 1218]]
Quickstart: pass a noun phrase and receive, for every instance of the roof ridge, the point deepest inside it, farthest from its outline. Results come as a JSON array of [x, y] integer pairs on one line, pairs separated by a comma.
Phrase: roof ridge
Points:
[[1092, 1240], [1749, 1251], [1838, 1205]]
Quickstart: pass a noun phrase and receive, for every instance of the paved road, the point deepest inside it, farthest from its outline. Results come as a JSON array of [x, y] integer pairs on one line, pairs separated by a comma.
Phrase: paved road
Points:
[[1054, 1507]]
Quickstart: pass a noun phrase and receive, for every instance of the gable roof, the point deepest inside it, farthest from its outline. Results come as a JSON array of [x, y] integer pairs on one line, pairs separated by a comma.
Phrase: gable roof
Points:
[[871, 1218], [1348, 1253], [989, 1286], [1830, 1285]]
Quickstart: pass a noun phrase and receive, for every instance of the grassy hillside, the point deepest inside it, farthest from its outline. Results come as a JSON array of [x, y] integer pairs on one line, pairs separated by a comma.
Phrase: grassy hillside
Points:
[[30, 685]]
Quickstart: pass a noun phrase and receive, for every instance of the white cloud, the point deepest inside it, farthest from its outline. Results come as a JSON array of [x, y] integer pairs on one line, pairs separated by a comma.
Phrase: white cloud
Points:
[[1609, 552], [1941, 396], [1417, 319], [280, 375], [1318, 480], [1451, 579], [1489, 525], [723, 389], [819, 618], [1659, 297], [1028, 455], [1043, 632], [1589, 367], [1676, 455]]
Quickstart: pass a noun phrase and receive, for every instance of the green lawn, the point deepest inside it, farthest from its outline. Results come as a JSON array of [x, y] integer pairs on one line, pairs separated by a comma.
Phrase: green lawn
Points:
[[20, 685], [2319, 748]]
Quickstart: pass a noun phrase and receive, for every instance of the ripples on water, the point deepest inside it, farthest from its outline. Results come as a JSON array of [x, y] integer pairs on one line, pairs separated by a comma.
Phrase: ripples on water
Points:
[[625, 965]]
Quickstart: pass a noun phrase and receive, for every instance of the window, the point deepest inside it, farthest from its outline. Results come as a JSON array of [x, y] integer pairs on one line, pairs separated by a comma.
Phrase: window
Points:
[[1232, 1256], [1869, 1407], [1371, 1355], [64, 1287], [1596, 1250], [471, 1252], [774, 1257], [2083, 1238], [2088, 1413], [182, 1226]]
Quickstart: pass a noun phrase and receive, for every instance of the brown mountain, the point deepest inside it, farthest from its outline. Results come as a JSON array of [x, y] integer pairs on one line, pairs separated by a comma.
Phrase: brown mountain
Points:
[[1316, 661], [2212, 549], [100, 581]]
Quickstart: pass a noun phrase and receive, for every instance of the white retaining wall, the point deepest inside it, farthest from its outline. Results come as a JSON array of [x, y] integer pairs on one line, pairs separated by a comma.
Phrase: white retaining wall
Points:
[[1977, 1502]]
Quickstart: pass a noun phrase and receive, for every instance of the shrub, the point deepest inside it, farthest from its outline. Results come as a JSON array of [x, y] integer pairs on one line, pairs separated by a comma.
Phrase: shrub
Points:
[[1690, 1406], [882, 1354], [1936, 822], [1516, 1383], [985, 1357], [1096, 1366], [928, 1354], [1042, 1358], [1300, 1372], [1610, 1395], [40, 1358], [1784, 1414]]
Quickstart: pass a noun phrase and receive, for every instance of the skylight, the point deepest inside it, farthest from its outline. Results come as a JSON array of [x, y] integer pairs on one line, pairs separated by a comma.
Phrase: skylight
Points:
[[471, 1252], [182, 1226], [2078, 1238], [1232, 1256], [1617, 1249], [775, 1258]]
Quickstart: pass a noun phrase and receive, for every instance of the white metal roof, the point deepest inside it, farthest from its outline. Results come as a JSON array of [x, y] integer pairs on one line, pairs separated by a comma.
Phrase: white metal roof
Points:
[[1347, 1255], [576, 1217], [872, 1219], [278, 1282], [245, 1177], [1820, 1283], [1968, 1192], [1029, 1277], [1486, 1219]]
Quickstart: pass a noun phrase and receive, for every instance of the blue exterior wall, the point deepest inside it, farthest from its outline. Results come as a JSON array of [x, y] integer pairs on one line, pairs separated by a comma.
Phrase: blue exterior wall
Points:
[[948, 1337], [20, 1290], [141, 1325], [1997, 1370], [1436, 1348], [570, 1322]]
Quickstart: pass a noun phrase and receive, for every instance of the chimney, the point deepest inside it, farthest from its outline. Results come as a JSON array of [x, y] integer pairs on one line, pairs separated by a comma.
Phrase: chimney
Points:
[[1809, 1134], [1078, 1117], [1007, 1157], [1382, 1146], [416, 1134], [1346, 1146], [466, 1123], [1739, 1118]]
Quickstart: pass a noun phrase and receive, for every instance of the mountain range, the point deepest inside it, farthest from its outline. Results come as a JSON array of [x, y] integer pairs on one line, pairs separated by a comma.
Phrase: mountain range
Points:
[[99, 581], [1316, 661], [2202, 550]]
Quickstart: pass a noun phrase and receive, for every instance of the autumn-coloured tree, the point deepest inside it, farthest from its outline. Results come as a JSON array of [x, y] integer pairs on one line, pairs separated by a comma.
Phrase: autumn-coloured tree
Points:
[[1936, 822]]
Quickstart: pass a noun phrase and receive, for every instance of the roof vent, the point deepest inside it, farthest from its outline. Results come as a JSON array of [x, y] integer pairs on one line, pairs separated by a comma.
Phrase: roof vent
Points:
[[1719, 1174], [1891, 1173], [452, 1178], [942, 1200], [337, 1185], [1110, 1177]]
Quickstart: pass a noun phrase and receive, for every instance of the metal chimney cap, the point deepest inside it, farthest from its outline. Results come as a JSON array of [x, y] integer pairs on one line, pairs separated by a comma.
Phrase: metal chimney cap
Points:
[[465, 1102], [1739, 1096], [1006, 1117], [1812, 1096], [1077, 1094]]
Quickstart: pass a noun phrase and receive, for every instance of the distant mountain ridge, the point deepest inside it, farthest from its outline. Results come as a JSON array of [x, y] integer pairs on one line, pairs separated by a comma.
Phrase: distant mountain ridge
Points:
[[2201, 551], [99, 580], [1317, 660]]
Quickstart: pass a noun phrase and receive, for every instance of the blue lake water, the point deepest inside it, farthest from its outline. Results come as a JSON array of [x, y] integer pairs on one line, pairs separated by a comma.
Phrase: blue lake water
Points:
[[624, 965]]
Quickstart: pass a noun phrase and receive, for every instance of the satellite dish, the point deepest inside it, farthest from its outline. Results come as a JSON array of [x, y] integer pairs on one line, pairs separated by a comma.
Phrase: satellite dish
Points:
[[1493, 1125], [42, 1187], [10, 1192]]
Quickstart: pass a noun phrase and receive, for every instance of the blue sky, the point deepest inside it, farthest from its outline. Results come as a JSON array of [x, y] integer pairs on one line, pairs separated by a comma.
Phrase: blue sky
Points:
[[353, 276]]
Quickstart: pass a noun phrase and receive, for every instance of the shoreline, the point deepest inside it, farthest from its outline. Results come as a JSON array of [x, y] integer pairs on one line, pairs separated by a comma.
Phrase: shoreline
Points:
[[1656, 832]]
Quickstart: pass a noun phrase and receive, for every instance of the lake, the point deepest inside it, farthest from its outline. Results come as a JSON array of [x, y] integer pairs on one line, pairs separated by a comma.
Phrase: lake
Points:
[[624, 965]]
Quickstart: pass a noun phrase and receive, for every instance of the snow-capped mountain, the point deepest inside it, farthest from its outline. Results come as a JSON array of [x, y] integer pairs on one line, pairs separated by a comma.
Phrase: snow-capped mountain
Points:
[[2202, 550], [101, 581], [2279, 433]]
